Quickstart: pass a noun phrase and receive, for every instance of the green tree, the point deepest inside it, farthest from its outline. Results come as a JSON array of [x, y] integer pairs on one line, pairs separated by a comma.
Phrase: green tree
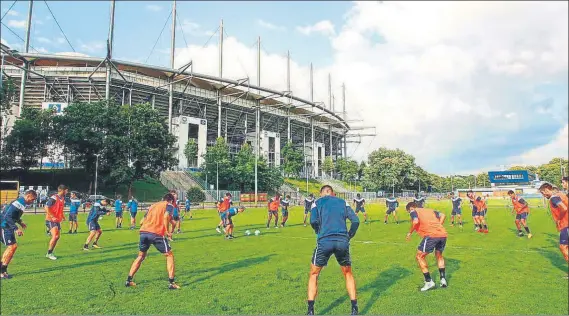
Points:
[[328, 166], [293, 160], [387, 167], [551, 171], [482, 180], [196, 195], [191, 152], [244, 169], [216, 158], [270, 178], [361, 170]]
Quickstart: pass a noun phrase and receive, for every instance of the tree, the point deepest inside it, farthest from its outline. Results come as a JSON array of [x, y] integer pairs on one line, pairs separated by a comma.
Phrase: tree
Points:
[[361, 170], [216, 158], [7, 94], [270, 178], [191, 152], [387, 167], [551, 171], [328, 166], [244, 168], [196, 195], [482, 180], [293, 160]]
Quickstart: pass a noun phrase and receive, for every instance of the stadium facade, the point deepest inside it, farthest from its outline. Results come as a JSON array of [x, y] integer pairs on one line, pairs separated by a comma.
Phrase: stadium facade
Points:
[[196, 106]]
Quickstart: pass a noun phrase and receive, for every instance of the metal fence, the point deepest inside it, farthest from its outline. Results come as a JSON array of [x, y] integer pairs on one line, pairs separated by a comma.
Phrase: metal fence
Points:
[[218, 194]]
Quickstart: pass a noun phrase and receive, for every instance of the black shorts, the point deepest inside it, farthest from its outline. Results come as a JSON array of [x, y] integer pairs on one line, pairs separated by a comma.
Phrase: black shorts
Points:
[[72, 217], [160, 242], [176, 217], [133, 214], [50, 225], [360, 209], [94, 226], [523, 215], [456, 212], [389, 211], [118, 214], [325, 249], [7, 236], [274, 213], [429, 244]]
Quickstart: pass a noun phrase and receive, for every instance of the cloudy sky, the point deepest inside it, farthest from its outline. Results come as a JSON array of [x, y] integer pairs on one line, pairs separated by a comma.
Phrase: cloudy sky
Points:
[[463, 86]]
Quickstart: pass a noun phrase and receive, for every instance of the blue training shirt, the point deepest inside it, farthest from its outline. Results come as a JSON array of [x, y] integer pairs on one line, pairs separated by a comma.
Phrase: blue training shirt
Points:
[[96, 211], [328, 219], [118, 206], [12, 214], [132, 205], [188, 204], [74, 206]]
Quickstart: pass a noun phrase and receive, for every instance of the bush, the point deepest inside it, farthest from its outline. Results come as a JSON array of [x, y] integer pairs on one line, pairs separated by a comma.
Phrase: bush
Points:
[[196, 195]]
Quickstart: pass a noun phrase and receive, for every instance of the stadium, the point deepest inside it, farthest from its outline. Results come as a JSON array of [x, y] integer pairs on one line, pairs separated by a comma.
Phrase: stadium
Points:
[[196, 106]]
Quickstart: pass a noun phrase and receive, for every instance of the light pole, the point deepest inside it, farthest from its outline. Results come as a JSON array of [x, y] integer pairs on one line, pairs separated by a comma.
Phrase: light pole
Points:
[[217, 179], [96, 173], [393, 187]]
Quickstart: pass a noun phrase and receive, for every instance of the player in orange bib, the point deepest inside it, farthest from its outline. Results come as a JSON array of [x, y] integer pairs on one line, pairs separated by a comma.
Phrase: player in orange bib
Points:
[[479, 212], [521, 208], [558, 203], [54, 216], [273, 206], [428, 224], [153, 231], [222, 206]]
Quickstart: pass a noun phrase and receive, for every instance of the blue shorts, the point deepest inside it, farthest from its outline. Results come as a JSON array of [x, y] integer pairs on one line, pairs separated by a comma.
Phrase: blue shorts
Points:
[[176, 217], [456, 212], [72, 217], [325, 249], [160, 242], [133, 214], [360, 209], [523, 215], [389, 211], [306, 210], [227, 221], [94, 226], [429, 244], [564, 236], [7, 236], [274, 213], [50, 225], [284, 213], [118, 214]]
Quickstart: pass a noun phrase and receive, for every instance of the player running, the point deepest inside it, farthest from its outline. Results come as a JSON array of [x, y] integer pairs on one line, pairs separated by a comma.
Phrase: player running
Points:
[[307, 206], [456, 210], [428, 224], [132, 207], [558, 203], [222, 206], [521, 208], [328, 219], [153, 229], [118, 211], [360, 206], [53, 218], [273, 205], [11, 216], [284, 210], [73, 210], [227, 218], [392, 205], [98, 209]]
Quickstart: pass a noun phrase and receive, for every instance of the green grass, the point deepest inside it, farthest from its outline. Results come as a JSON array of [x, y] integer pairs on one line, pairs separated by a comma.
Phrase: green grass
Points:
[[147, 190], [497, 273]]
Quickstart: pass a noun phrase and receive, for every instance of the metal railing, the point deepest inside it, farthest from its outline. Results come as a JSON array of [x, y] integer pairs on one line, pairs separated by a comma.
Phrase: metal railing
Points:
[[216, 195]]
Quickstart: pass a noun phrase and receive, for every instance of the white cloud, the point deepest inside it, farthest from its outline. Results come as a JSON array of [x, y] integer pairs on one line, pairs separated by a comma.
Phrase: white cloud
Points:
[[153, 8], [269, 25], [60, 40], [558, 147], [324, 27], [453, 83], [93, 46], [19, 24], [12, 13], [43, 40]]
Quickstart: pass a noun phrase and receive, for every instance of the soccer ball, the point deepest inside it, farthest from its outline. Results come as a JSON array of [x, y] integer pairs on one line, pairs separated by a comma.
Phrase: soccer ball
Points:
[[247, 233], [257, 232]]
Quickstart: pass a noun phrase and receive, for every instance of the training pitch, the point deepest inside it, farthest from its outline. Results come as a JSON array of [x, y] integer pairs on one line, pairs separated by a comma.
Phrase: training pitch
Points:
[[497, 273]]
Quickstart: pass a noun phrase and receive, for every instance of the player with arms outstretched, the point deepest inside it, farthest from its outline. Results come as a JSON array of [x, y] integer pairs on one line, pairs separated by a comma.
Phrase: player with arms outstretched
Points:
[[392, 205], [98, 209], [521, 208], [428, 224], [360, 203], [153, 231], [11, 216]]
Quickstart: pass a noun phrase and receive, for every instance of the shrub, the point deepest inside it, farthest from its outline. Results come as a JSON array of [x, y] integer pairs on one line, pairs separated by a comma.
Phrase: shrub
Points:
[[196, 195]]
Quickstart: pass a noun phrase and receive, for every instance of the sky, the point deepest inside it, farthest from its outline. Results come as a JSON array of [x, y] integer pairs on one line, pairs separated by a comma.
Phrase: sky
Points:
[[463, 86]]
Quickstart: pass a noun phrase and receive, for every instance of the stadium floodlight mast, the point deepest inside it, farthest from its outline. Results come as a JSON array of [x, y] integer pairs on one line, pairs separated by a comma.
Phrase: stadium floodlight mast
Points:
[[217, 179], [96, 173]]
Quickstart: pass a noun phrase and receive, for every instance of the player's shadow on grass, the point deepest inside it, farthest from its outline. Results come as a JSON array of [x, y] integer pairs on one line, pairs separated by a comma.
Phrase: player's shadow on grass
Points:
[[227, 268], [381, 283], [554, 256], [451, 265]]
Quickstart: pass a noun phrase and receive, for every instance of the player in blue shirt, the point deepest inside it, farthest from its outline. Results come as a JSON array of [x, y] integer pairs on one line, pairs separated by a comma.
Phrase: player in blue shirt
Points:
[[118, 212], [307, 206], [95, 231], [392, 205], [9, 217], [73, 210], [227, 218], [360, 206], [328, 219], [132, 207], [456, 209], [285, 203], [177, 218], [187, 208]]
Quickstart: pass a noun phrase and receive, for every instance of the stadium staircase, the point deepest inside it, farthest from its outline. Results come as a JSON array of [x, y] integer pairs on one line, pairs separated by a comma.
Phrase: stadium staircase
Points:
[[337, 185], [180, 180]]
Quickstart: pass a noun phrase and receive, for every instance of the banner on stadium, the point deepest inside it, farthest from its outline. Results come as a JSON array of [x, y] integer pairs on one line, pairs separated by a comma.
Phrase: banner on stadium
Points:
[[57, 107], [512, 176]]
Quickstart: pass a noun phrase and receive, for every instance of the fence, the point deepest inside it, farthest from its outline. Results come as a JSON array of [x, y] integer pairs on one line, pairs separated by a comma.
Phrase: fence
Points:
[[215, 195]]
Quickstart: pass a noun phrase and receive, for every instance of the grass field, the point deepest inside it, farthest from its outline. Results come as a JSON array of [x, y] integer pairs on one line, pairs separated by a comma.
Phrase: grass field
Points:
[[497, 273]]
